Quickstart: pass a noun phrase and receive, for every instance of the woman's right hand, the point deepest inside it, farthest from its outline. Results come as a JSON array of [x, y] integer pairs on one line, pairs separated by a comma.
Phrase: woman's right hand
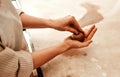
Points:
[[89, 33]]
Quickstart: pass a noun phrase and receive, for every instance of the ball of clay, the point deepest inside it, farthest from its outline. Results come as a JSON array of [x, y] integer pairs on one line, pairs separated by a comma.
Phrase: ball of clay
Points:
[[80, 37]]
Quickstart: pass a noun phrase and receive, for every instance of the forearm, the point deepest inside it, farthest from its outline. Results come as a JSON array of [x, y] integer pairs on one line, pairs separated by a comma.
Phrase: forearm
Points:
[[43, 56], [34, 22]]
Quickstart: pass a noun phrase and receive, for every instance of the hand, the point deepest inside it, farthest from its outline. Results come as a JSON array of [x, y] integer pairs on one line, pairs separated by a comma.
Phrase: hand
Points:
[[67, 23], [77, 44]]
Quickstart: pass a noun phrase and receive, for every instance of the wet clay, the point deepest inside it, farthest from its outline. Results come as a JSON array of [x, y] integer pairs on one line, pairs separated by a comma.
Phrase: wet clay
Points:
[[80, 37]]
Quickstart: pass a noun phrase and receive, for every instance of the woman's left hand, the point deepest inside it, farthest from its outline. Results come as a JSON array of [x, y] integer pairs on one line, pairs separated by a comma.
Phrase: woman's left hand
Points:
[[68, 23], [89, 33]]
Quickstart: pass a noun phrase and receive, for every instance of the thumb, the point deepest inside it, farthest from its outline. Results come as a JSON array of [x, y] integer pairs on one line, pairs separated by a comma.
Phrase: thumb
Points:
[[86, 43], [71, 30]]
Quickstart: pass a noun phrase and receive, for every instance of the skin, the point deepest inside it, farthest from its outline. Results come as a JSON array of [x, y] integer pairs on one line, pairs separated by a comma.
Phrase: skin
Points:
[[67, 23], [80, 37]]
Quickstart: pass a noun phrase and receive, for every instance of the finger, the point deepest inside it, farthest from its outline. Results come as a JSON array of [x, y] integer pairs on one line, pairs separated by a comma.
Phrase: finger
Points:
[[87, 32], [83, 44], [75, 24], [71, 30], [92, 33], [86, 43], [78, 44]]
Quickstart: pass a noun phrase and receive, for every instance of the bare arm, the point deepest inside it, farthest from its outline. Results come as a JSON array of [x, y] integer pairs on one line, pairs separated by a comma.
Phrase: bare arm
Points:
[[35, 22], [67, 23], [42, 56]]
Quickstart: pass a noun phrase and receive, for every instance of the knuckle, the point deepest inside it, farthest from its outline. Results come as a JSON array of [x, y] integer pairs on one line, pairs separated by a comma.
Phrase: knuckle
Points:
[[72, 17]]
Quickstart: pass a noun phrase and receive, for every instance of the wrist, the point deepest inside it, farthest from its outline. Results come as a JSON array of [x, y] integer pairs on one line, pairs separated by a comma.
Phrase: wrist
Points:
[[63, 47], [50, 23]]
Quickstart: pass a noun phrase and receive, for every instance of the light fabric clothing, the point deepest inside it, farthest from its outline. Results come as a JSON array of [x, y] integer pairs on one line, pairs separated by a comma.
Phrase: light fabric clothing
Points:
[[14, 62]]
